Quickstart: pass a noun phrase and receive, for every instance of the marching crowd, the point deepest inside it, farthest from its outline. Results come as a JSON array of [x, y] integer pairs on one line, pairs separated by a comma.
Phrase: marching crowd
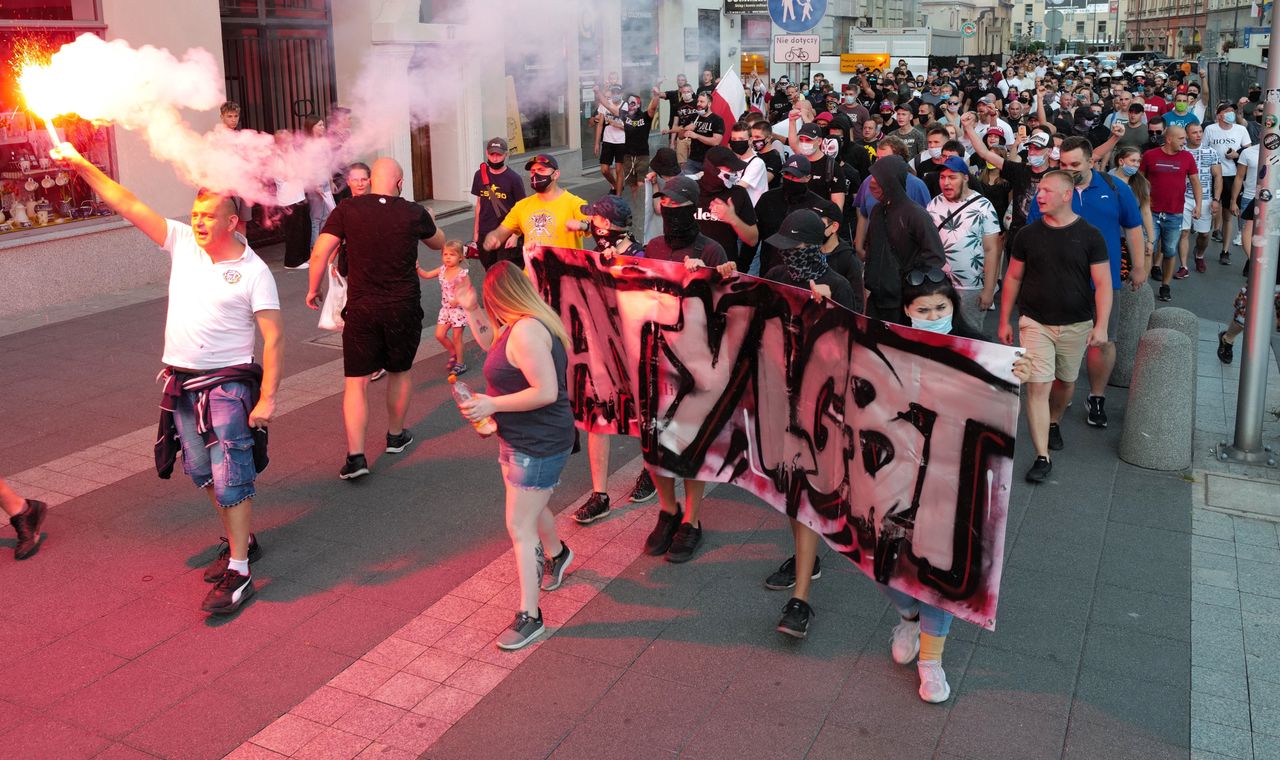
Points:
[[928, 198]]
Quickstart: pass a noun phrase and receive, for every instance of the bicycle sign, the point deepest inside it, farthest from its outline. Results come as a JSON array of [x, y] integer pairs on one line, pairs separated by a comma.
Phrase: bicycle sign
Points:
[[796, 48]]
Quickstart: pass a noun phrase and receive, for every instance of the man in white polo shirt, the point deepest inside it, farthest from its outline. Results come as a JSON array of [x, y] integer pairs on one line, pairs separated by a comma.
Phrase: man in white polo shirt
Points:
[[217, 402]]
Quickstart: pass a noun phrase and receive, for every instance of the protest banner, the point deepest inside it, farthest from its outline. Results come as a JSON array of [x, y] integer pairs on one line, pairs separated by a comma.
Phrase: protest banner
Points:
[[894, 444]]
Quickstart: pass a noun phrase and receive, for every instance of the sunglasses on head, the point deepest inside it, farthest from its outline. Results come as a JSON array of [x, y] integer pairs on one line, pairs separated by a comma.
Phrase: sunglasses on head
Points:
[[916, 277]]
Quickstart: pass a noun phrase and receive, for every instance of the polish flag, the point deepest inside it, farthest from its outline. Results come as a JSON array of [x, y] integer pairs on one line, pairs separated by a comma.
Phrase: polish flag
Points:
[[728, 101]]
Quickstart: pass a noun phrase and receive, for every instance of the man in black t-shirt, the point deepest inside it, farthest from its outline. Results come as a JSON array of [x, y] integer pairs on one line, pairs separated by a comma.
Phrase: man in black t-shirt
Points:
[[725, 213], [1060, 278], [674, 98], [384, 301], [1023, 176], [793, 193], [636, 124], [841, 257], [705, 132], [496, 188], [681, 239]]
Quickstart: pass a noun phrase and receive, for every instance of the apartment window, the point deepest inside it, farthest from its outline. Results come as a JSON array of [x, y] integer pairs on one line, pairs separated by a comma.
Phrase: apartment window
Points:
[[1080, 27], [1030, 9]]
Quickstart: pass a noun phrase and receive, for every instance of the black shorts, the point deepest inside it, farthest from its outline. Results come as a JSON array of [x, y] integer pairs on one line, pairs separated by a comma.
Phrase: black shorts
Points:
[[612, 153], [1228, 188], [380, 338]]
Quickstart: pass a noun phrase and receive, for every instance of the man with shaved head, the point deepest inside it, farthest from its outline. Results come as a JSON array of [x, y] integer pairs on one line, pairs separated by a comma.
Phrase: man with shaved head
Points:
[[215, 395], [384, 302]]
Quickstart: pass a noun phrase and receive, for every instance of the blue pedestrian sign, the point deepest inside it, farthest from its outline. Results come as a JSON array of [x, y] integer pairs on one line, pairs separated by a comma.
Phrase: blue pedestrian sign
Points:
[[797, 16]]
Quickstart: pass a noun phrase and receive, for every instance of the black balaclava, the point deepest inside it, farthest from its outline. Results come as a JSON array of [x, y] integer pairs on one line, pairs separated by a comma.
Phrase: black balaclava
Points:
[[679, 228]]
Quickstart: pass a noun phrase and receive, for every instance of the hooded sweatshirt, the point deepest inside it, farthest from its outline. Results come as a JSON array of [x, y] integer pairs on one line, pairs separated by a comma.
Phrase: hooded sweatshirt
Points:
[[900, 237]]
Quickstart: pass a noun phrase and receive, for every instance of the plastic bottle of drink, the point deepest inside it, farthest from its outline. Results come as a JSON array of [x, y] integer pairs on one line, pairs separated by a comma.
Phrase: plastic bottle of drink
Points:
[[461, 392]]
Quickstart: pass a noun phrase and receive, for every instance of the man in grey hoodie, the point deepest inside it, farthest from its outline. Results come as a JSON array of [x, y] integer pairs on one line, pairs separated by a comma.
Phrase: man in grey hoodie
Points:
[[900, 237]]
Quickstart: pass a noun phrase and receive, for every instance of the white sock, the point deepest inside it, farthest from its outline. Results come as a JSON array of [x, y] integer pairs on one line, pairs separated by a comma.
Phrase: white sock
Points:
[[238, 565]]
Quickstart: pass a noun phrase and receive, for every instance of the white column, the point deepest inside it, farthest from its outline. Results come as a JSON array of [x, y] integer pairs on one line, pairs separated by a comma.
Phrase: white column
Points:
[[396, 57]]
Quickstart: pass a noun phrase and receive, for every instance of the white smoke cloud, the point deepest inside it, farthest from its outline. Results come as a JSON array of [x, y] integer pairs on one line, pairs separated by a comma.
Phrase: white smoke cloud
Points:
[[145, 90]]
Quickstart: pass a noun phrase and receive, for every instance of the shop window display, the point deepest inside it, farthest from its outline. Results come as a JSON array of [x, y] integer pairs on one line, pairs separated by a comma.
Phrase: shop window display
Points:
[[36, 194]]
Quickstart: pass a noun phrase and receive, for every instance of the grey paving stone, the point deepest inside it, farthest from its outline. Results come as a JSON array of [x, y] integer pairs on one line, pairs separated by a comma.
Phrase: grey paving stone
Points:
[[1255, 553], [1105, 697], [730, 732], [1218, 649], [1262, 668], [1087, 740], [1205, 522], [1026, 680], [1222, 710], [1158, 614], [1259, 578], [1213, 561], [1211, 546], [986, 727], [1256, 532], [1266, 718], [1213, 615], [1221, 683], [1217, 596], [1213, 737], [836, 742], [1262, 691], [1267, 606], [1227, 579], [1266, 747], [652, 712], [1138, 655]]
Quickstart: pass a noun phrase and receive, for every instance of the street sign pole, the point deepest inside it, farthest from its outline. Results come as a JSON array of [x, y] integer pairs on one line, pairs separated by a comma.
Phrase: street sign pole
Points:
[[1260, 311]]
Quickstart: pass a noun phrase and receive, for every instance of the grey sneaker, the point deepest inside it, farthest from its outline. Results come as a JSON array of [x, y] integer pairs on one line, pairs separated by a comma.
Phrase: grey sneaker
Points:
[[555, 568], [524, 629], [400, 441]]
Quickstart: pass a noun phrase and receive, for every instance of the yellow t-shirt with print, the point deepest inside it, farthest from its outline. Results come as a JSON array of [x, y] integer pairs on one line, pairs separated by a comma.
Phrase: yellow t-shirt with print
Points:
[[543, 222]]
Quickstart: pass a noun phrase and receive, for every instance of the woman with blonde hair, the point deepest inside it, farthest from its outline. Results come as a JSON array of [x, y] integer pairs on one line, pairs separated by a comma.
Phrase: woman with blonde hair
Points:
[[528, 398]]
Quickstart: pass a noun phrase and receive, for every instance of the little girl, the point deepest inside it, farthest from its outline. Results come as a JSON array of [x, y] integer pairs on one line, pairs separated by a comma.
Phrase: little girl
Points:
[[452, 318]]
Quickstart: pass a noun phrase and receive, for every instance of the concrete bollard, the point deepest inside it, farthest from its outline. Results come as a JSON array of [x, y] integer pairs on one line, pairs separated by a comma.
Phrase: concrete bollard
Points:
[[1135, 307], [1158, 421], [1187, 323]]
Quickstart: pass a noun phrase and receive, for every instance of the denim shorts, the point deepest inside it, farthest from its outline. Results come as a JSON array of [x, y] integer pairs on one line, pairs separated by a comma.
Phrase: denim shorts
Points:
[[228, 463], [529, 473], [1168, 233]]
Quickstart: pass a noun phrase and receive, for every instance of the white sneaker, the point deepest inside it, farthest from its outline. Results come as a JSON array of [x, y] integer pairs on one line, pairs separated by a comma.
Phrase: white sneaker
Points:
[[933, 682], [300, 267], [905, 641], [1237, 240]]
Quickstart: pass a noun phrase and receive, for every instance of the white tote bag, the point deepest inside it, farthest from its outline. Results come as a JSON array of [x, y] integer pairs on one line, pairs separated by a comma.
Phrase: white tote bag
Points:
[[334, 301]]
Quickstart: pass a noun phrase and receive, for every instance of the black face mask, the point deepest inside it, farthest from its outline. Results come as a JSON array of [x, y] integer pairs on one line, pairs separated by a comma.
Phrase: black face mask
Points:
[[793, 190], [1157, 138], [759, 145], [679, 228], [739, 146], [607, 240], [495, 165], [540, 182]]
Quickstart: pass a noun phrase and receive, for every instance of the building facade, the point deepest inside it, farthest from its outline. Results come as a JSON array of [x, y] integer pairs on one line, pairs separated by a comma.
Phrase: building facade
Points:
[[1085, 25], [1166, 26], [284, 60]]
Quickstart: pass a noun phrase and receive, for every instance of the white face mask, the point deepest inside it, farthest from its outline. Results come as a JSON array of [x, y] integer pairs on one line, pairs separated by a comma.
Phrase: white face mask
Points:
[[1055, 154], [933, 152], [730, 178]]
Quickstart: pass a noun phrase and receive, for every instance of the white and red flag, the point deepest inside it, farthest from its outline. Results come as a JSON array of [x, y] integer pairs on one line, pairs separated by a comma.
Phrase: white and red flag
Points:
[[729, 101]]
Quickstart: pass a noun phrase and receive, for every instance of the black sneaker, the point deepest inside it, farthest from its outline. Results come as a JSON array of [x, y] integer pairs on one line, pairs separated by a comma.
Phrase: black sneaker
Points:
[[400, 441], [795, 618], [595, 507], [1226, 351], [659, 539], [554, 568], [1097, 416], [1224, 258], [1165, 293], [219, 565], [355, 467], [233, 590], [644, 490], [1217, 236], [524, 629], [1156, 272], [1039, 470], [27, 523], [785, 576], [685, 542], [1055, 437]]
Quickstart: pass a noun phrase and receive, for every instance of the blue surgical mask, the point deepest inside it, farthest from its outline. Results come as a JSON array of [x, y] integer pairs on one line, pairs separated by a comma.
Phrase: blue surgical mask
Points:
[[1128, 170], [942, 325], [1229, 117]]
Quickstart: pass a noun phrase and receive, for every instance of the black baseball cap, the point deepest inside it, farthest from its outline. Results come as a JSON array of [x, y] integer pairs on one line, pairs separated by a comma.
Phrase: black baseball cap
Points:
[[797, 165], [801, 227], [544, 159], [827, 209], [811, 130], [725, 159], [612, 207], [681, 189], [664, 162], [496, 145]]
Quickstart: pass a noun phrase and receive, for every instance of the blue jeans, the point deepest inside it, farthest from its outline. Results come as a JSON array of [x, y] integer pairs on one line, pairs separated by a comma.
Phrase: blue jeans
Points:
[[228, 463], [528, 472], [933, 621], [1168, 233]]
